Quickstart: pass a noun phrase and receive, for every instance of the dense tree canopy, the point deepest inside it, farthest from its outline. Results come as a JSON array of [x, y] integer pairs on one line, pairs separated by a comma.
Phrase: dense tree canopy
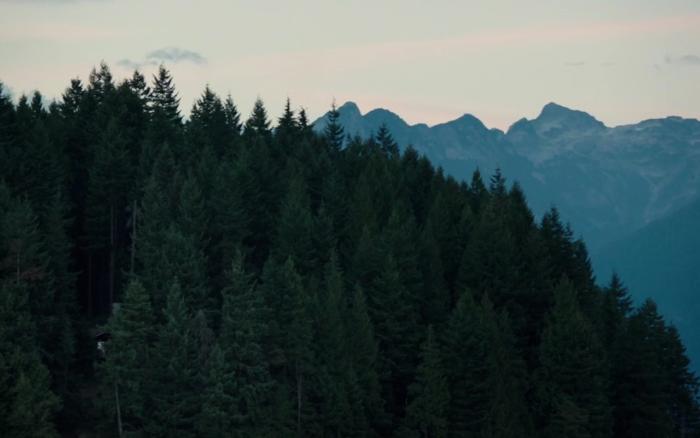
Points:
[[249, 279]]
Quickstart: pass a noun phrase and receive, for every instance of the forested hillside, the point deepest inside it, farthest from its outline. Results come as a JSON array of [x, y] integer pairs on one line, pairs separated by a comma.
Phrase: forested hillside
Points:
[[274, 281]]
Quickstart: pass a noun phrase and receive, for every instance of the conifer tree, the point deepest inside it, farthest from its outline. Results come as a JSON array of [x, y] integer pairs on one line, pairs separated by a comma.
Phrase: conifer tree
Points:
[[386, 142], [364, 354], [508, 415], [305, 127], [129, 358], [106, 201], [258, 124], [208, 125], [215, 418], [229, 218], [426, 414], [334, 131], [287, 126], [173, 389], [335, 409], [572, 376], [27, 403], [465, 349], [290, 351], [243, 332], [295, 226], [166, 120], [233, 118], [394, 319], [137, 83]]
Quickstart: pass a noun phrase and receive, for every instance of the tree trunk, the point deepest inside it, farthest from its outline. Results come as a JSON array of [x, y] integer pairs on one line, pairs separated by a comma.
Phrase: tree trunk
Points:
[[89, 291], [119, 410], [133, 238], [111, 257], [299, 388], [19, 273]]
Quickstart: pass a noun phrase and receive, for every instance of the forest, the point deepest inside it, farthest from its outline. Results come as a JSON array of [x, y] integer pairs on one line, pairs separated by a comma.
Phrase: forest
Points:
[[249, 277]]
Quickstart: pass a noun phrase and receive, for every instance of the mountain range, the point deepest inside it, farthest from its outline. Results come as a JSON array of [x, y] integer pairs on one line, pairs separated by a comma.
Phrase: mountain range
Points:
[[631, 191]]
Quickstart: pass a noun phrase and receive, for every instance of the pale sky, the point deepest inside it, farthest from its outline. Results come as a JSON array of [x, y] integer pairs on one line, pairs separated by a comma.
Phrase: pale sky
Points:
[[429, 61]]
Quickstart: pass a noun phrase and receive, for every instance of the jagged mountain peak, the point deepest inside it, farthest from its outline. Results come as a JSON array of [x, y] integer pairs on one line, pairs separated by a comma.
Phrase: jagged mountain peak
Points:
[[349, 107], [555, 116]]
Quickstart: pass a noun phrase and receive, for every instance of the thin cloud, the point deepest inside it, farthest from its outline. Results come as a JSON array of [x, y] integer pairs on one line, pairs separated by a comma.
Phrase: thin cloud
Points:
[[688, 60], [575, 64], [355, 56], [131, 65], [175, 55], [166, 55]]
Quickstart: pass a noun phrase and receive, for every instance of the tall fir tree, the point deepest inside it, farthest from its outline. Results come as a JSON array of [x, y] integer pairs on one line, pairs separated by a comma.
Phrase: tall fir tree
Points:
[[242, 334], [334, 131], [426, 414], [127, 370], [572, 378]]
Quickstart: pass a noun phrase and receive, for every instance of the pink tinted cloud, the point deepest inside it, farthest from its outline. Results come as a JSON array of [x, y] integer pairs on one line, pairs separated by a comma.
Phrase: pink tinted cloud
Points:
[[362, 56], [56, 32]]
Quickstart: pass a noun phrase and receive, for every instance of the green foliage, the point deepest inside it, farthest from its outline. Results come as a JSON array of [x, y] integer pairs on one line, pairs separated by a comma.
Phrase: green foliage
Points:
[[28, 405], [243, 332], [572, 375], [258, 124], [426, 415], [129, 357], [275, 281], [334, 131]]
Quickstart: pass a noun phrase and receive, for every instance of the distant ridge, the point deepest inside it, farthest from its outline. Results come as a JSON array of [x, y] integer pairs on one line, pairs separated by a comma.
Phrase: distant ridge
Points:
[[622, 183]]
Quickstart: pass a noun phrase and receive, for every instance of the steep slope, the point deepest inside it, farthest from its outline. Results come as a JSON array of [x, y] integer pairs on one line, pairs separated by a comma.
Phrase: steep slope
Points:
[[606, 181], [631, 191], [662, 260]]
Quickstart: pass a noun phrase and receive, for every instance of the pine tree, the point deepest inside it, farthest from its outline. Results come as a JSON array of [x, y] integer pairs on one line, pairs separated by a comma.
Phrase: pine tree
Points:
[[331, 359], [298, 341], [287, 126], [289, 351], [106, 202], [465, 350], [333, 131], [243, 332], [386, 142], [137, 83], [233, 118], [174, 387], [364, 354], [572, 379], [229, 218], [394, 319], [655, 393], [166, 120], [295, 226], [217, 402], [127, 371], [208, 125], [164, 100], [258, 124], [508, 415], [24, 263], [435, 301], [426, 414], [27, 403]]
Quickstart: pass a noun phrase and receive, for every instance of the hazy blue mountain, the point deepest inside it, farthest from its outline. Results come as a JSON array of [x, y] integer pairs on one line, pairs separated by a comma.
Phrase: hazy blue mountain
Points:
[[662, 260], [607, 182], [632, 192]]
